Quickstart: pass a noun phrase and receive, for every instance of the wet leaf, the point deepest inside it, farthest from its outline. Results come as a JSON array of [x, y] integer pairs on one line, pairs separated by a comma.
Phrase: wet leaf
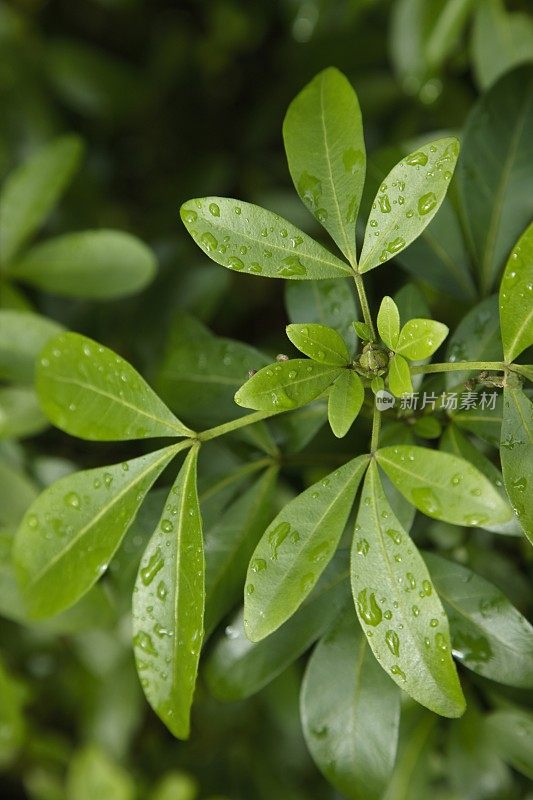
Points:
[[89, 391], [476, 338], [286, 385], [295, 549], [516, 298], [323, 135], [517, 454], [407, 201], [168, 604], [443, 486], [399, 376], [72, 530], [398, 607], [247, 238], [420, 338], [389, 322], [344, 402], [511, 733], [351, 723], [319, 342]]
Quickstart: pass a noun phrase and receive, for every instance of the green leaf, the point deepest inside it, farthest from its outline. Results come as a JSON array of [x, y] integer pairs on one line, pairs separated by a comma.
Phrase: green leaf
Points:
[[13, 698], [416, 746], [22, 337], [407, 201], [168, 604], [98, 265], [344, 402], [286, 385], [32, 190], [350, 723], [495, 172], [420, 338], [500, 41], [230, 544], [516, 298], [325, 147], [389, 322], [329, 302], [176, 785], [516, 453], [298, 428], [89, 391], [483, 422], [296, 547], [398, 608], [489, 635], [511, 732], [455, 442], [91, 773], [245, 237], [319, 342], [427, 427], [200, 373], [443, 486], [237, 668], [72, 530], [363, 331], [17, 492], [20, 413], [446, 31], [399, 376], [476, 338]]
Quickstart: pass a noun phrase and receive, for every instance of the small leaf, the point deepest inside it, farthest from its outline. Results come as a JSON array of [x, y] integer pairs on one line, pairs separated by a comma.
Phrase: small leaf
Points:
[[330, 302], [237, 668], [511, 733], [344, 402], [22, 337], [99, 265], [88, 391], [245, 237], [407, 201], [420, 338], [349, 720], [32, 190], [516, 298], [389, 322], [72, 530], [295, 549], [230, 543], [398, 607], [319, 342], [516, 453], [168, 604], [443, 486], [363, 331], [489, 635], [323, 135], [399, 376], [286, 385]]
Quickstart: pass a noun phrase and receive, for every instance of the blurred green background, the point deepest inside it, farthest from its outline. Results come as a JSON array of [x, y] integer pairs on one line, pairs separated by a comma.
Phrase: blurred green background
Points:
[[176, 100]]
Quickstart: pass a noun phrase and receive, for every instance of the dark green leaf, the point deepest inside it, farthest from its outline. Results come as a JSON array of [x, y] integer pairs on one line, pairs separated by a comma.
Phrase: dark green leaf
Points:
[[330, 302], [517, 454], [511, 732], [22, 337]]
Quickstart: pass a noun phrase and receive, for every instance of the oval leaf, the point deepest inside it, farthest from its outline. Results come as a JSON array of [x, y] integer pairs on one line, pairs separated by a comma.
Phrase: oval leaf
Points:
[[98, 265], [516, 453], [295, 549], [325, 147], [168, 604], [489, 635], [70, 533], [32, 190], [319, 342], [443, 486], [344, 402], [286, 385], [516, 298], [245, 237], [398, 607], [420, 338], [407, 201], [389, 322], [88, 391], [350, 723], [399, 376]]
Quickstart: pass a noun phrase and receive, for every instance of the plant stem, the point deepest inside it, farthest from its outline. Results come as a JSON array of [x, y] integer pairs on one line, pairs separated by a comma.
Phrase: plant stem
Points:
[[359, 285], [459, 366], [376, 427], [228, 427]]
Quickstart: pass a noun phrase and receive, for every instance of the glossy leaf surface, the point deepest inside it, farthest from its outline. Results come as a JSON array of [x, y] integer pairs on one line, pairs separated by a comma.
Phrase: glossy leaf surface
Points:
[[319, 342], [344, 402], [389, 322], [89, 391], [399, 376], [168, 604], [516, 298], [419, 338], [517, 454], [323, 135], [286, 385], [245, 237], [443, 486], [397, 605], [72, 530], [22, 337]]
